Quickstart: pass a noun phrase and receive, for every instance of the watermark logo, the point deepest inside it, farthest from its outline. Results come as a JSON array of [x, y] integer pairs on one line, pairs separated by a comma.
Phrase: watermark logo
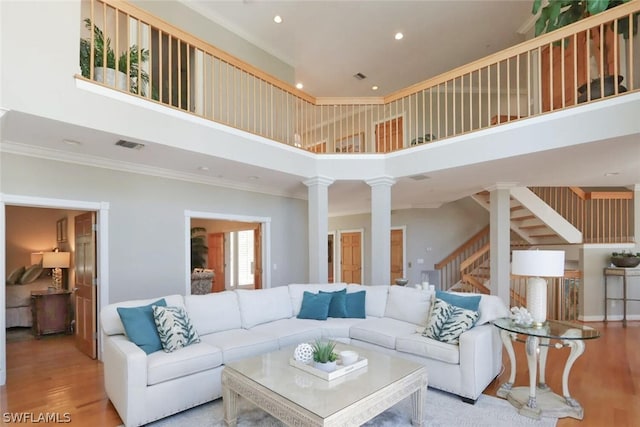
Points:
[[36, 417]]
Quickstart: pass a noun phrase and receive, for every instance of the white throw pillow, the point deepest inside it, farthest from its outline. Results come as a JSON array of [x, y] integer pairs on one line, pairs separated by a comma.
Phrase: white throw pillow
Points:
[[408, 304], [174, 328], [448, 322]]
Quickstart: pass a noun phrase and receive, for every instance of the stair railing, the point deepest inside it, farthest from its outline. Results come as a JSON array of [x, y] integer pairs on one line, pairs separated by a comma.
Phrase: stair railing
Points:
[[449, 267]]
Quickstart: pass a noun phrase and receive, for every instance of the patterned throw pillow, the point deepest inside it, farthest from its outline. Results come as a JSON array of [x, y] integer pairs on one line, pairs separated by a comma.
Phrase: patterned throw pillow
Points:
[[174, 328], [448, 322]]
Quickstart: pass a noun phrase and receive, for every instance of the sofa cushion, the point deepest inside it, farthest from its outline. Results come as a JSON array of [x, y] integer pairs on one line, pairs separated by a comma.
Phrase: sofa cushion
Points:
[[163, 366], [140, 326], [240, 343], [290, 332], [110, 320], [408, 304], [491, 308], [174, 328], [315, 306], [375, 300], [296, 291], [226, 314], [335, 327], [430, 348], [338, 305], [355, 304], [468, 302], [381, 331], [264, 305], [448, 322]]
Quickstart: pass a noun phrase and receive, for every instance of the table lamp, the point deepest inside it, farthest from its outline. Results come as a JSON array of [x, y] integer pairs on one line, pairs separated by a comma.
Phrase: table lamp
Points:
[[537, 264], [56, 261]]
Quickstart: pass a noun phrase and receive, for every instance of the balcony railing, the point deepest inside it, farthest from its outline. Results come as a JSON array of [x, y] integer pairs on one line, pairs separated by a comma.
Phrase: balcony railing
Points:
[[577, 64]]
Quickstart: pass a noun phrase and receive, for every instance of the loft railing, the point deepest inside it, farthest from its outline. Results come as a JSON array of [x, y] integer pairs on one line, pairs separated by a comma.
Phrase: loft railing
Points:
[[601, 216], [165, 64], [562, 295]]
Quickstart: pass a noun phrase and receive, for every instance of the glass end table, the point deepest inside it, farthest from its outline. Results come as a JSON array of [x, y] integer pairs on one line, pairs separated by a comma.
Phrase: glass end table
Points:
[[537, 400]]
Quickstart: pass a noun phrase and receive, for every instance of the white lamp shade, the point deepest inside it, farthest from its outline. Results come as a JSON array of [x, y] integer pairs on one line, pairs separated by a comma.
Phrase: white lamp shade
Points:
[[538, 263], [56, 259], [36, 258]]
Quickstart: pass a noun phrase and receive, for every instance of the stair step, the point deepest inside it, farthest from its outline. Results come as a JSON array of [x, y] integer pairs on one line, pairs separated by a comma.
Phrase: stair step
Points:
[[533, 227], [523, 218]]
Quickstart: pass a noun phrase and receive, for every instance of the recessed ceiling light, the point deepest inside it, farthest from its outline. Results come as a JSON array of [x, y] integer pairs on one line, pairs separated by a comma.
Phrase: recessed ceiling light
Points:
[[277, 19], [299, 85], [399, 36], [612, 173], [203, 168], [374, 87], [71, 142]]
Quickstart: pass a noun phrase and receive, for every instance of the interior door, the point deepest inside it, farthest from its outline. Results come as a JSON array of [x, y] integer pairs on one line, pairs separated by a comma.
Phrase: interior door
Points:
[[85, 288], [257, 257], [389, 136], [215, 260], [351, 257], [397, 255]]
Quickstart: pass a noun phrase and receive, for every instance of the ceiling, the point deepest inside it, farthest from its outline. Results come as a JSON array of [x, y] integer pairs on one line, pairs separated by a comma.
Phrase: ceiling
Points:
[[328, 42]]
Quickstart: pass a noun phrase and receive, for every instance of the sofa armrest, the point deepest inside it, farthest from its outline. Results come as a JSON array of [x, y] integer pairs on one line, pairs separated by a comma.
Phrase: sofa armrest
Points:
[[480, 359], [125, 377]]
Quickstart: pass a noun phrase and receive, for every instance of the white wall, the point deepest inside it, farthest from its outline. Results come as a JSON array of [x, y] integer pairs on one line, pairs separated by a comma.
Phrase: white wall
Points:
[[431, 234], [146, 220]]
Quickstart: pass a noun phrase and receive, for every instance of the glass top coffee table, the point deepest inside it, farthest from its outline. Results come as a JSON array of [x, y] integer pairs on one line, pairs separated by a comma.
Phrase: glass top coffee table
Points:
[[532, 401], [297, 397]]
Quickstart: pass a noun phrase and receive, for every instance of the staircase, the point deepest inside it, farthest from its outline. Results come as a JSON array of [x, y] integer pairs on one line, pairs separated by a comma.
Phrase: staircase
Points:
[[533, 220]]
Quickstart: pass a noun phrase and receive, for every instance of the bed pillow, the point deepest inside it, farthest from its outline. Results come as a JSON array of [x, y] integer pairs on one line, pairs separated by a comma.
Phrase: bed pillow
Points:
[[140, 326], [31, 273], [338, 304], [315, 306], [14, 277], [174, 328]]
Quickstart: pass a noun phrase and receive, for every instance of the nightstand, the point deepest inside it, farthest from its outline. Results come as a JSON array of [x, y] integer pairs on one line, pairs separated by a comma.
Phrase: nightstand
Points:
[[51, 312]]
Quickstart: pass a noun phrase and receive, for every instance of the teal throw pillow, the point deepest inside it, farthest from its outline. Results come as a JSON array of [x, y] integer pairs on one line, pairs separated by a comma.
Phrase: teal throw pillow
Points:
[[140, 326], [355, 304], [338, 305], [467, 302], [174, 328], [448, 322], [315, 306]]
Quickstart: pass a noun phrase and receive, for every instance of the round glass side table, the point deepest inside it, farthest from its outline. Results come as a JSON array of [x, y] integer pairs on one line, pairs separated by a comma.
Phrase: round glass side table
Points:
[[537, 400]]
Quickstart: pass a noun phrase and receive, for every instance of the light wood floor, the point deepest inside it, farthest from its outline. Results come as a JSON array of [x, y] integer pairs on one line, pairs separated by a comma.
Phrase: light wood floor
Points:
[[50, 376]]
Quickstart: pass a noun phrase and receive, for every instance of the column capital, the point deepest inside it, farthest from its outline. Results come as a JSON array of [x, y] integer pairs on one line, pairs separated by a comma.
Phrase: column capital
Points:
[[501, 186], [381, 180], [319, 180]]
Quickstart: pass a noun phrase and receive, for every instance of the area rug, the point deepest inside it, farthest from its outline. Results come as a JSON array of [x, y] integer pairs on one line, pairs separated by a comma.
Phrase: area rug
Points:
[[442, 410]]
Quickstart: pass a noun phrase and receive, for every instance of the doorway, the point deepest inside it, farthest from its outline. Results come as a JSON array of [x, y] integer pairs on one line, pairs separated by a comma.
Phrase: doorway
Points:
[[389, 135], [397, 253], [351, 256], [101, 210]]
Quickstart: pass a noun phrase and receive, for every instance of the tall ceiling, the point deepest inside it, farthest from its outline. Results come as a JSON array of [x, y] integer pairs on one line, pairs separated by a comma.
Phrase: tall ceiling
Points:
[[328, 42]]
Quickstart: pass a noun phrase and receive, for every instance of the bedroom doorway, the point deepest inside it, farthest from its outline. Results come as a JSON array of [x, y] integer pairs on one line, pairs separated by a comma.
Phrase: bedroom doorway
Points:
[[59, 235]]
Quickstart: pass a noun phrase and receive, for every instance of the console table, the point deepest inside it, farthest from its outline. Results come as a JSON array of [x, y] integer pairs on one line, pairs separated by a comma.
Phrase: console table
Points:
[[624, 273], [51, 312], [537, 401]]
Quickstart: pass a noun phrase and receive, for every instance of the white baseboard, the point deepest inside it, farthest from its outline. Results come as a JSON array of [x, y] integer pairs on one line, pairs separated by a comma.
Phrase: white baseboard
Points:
[[610, 318]]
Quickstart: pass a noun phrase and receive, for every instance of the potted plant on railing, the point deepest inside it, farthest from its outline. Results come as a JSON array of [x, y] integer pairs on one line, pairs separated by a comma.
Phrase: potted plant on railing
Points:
[[625, 259], [558, 13], [102, 51]]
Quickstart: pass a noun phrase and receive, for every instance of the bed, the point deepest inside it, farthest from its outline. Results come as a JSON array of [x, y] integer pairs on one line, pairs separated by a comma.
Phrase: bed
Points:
[[18, 301]]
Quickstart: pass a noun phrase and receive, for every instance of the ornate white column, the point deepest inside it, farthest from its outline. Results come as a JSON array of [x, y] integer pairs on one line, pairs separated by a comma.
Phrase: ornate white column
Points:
[[380, 229], [318, 190], [500, 240]]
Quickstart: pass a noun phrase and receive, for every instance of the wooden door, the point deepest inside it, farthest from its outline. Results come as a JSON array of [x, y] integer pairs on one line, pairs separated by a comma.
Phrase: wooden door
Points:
[[330, 257], [215, 260], [85, 284], [257, 257], [351, 257], [397, 255], [389, 136]]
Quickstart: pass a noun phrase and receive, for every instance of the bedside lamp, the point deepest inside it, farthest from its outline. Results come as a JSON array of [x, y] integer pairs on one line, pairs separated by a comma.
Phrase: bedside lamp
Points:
[[537, 264], [56, 261]]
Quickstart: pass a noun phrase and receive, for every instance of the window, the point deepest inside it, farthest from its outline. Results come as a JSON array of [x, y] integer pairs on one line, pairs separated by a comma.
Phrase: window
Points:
[[242, 253]]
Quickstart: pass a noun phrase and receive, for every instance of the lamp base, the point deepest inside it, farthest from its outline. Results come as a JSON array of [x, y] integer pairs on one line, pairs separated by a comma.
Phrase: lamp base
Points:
[[56, 278], [537, 300]]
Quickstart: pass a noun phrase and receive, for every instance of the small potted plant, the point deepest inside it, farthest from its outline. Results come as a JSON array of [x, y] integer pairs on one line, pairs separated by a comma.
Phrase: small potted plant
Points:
[[324, 355], [625, 259]]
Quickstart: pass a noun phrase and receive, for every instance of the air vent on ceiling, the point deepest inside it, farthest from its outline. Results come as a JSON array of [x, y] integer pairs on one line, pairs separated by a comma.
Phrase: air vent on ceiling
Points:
[[419, 177], [360, 76], [130, 145]]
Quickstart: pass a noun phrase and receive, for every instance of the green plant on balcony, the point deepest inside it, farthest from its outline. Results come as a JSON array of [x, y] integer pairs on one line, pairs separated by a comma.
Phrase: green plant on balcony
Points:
[[102, 51]]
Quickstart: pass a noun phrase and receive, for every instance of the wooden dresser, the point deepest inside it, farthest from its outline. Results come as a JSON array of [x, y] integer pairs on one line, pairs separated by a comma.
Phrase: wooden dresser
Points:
[[51, 312]]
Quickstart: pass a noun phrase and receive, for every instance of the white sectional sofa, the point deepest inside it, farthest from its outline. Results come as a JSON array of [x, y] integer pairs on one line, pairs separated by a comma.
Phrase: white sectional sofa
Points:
[[236, 324]]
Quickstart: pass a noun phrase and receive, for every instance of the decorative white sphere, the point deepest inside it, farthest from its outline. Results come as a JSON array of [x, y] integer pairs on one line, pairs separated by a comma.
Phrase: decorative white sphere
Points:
[[303, 353]]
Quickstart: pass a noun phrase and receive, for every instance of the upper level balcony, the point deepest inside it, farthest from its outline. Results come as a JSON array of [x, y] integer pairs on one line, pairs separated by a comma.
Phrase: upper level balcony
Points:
[[593, 59]]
